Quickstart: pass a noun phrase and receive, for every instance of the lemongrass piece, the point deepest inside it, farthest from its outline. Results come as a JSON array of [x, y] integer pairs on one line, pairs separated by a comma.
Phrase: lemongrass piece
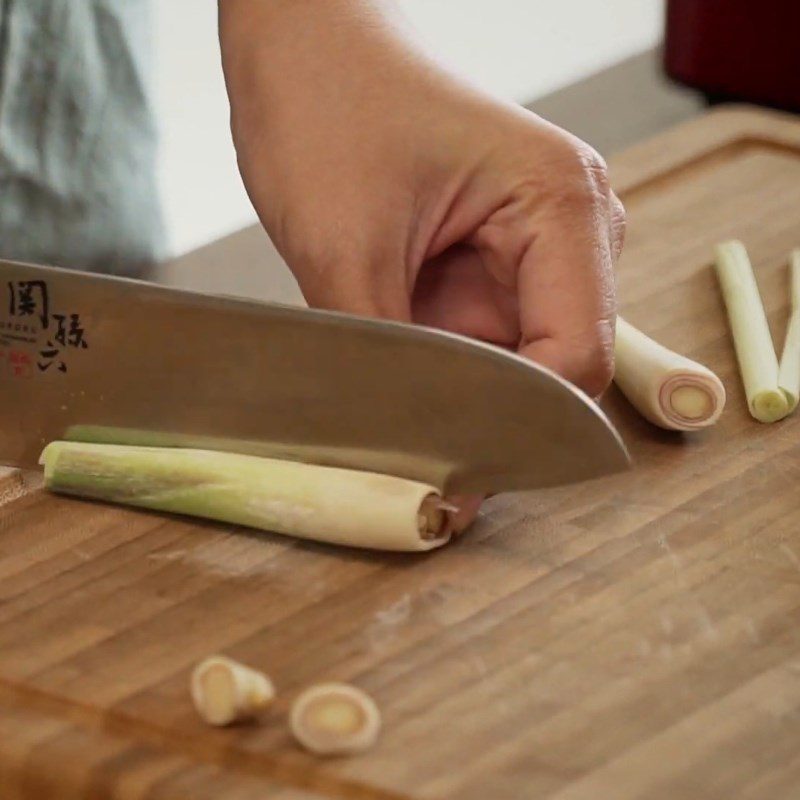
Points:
[[335, 719], [327, 504], [225, 691], [755, 352], [789, 368], [666, 388]]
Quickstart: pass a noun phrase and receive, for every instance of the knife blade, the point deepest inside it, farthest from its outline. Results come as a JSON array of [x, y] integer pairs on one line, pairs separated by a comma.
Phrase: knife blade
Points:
[[105, 359]]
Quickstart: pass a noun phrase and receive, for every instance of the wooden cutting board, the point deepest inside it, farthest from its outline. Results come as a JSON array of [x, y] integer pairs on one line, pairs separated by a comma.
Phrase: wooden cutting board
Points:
[[635, 637]]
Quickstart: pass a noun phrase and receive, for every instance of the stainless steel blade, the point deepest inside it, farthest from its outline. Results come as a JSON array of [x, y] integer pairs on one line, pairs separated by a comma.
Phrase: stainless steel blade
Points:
[[107, 359]]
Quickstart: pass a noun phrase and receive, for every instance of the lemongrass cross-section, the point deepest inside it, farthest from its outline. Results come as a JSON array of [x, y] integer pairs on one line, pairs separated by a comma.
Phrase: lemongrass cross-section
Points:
[[335, 719]]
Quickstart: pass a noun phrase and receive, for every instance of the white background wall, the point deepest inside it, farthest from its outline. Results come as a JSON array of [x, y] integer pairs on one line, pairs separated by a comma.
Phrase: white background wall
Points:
[[520, 49]]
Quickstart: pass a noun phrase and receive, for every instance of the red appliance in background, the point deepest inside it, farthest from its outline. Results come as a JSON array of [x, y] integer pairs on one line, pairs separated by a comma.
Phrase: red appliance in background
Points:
[[746, 50]]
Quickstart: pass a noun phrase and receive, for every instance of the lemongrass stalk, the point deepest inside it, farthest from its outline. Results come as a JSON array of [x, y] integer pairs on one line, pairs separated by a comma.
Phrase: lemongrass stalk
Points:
[[666, 388], [789, 368], [335, 719], [758, 364], [327, 504], [225, 691]]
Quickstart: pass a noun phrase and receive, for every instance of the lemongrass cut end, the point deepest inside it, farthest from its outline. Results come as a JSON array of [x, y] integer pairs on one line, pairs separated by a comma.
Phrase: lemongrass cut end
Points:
[[792, 399], [434, 518], [692, 400], [668, 389], [770, 405], [335, 719], [225, 691], [49, 455]]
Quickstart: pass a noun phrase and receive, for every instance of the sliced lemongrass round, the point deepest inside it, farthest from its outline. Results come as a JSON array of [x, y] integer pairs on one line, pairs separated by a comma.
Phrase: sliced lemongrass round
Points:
[[335, 719], [225, 691]]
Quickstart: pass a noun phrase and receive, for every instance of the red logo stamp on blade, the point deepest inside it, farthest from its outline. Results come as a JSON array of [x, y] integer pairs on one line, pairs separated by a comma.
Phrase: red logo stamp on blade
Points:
[[20, 364]]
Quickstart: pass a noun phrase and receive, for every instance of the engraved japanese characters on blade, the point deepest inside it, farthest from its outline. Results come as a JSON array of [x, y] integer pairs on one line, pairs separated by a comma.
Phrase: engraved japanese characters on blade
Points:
[[37, 339]]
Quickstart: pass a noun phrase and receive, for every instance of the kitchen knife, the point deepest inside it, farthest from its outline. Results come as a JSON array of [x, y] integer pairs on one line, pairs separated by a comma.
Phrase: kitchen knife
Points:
[[98, 358]]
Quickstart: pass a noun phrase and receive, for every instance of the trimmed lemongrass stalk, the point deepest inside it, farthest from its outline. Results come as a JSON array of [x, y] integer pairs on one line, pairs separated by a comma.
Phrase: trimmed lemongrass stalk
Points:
[[327, 504], [666, 388], [789, 369], [335, 719], [225, 691], [755, 352]]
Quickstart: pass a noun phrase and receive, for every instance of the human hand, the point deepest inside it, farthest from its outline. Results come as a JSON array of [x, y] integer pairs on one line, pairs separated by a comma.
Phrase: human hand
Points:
[[393, 189]]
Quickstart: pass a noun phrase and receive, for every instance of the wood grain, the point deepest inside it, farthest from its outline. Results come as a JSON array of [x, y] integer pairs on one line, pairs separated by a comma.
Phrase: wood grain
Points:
[[635, 637]]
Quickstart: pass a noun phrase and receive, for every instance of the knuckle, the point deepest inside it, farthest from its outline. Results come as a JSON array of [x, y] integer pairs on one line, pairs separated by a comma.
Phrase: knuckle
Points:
[[579, 178], [595, 169]]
